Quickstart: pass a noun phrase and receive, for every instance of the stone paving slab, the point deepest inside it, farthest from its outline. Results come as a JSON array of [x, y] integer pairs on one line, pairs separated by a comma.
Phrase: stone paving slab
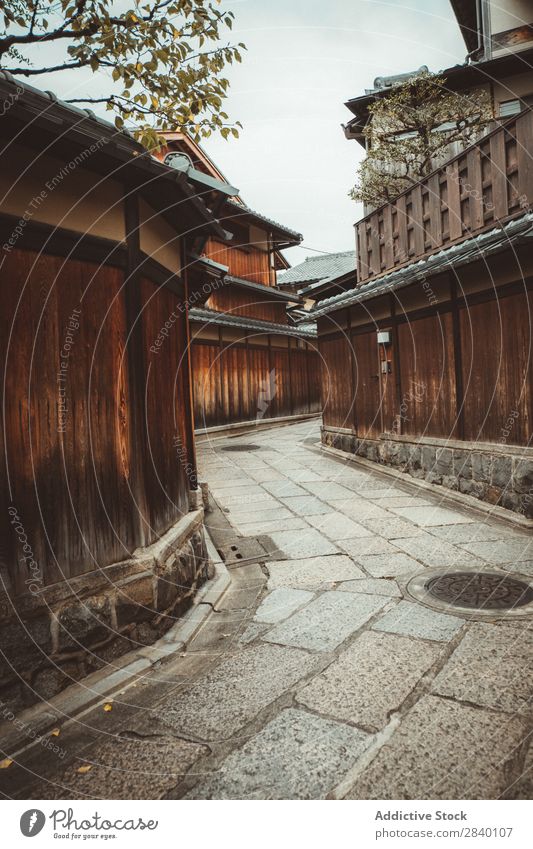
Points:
[[444, 750], [250, 501], [225, 699], [503, 551], [302, 475], [306, 506], [435, 552], [491, 667], [261, 515], [522, 787], [404, 501], [280, 603], [432, 515], [257, 528], [326, 490], [252, 631], [336, 526], [413, 620], [473, 532], [284, 489], [137, 768], [312, 572], [298, 544], [389, 565], [358, 509], [263, 475], [373, 586], [296, 756], [391, 528], [362, 546], [384, 490], [372, 678], [326, 622]]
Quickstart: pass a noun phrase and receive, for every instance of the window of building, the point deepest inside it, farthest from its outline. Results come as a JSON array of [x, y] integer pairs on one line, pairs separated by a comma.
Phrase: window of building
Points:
[[509, 107]]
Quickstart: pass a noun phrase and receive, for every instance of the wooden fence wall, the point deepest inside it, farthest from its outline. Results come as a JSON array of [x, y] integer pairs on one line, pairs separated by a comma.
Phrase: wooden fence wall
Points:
[[264, 376], [461, 370], [482, 186], [93, 419]]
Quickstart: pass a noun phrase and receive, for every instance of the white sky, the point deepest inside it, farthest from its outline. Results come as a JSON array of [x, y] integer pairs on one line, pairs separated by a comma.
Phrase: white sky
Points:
[[304, 59]]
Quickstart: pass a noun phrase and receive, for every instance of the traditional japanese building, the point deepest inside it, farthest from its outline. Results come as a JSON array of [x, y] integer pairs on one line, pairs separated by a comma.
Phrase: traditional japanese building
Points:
[[248, 363], [427, 360], [102, 544]]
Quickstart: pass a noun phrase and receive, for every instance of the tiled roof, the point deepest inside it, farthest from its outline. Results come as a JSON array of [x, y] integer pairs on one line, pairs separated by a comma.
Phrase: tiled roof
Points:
[[320, 267], [245, 210], [478, 247], [207, 316]]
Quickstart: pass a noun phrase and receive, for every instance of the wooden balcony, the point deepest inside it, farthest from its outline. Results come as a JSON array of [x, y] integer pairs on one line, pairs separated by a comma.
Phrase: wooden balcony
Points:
[[487, 183]]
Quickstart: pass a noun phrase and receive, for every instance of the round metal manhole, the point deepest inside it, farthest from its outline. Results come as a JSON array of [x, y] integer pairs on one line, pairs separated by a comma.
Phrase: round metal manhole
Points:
[[480, 590], [241, 447], [482, 593]]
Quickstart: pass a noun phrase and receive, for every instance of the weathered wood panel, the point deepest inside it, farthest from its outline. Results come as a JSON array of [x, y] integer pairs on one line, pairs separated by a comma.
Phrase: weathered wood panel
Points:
[[234, 381], [247, 261], [69, 425], [66, 437], [248, 304], [166, 472], [428, 405], [368, 402], [337, 389], [206, 388], [497, 376]]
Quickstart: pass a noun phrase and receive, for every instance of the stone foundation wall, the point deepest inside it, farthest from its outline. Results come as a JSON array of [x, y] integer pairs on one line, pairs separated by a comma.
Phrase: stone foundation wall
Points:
[[52, 638], [492, 473]]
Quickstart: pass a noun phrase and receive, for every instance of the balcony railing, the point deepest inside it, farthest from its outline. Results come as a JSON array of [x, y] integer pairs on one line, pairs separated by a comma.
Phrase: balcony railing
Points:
[[487, 183]]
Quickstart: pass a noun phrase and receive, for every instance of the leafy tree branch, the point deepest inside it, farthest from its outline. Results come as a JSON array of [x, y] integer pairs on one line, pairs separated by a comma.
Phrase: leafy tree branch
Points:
[[166, 58]]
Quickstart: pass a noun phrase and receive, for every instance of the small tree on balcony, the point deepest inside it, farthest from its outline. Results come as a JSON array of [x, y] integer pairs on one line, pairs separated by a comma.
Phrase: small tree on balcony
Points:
[[411, 130]]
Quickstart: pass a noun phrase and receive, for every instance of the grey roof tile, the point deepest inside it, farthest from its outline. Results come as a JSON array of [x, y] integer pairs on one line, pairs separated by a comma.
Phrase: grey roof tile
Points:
[[321, 267]]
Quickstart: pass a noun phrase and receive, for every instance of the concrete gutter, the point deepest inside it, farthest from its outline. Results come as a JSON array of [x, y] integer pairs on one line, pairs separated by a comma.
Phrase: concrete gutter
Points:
[[256, 423], [29, 727]]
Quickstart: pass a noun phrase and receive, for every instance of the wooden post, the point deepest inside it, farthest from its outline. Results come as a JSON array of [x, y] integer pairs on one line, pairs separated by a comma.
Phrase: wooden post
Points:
[[307, 377], [353, 376], [136, 370], [396, 359], [187, 377], [458, 362], [247, 370], [289, 340], [224, 415]]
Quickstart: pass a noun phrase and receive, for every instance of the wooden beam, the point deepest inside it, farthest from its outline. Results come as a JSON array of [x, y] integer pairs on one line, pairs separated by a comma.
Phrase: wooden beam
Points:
[[188, 412], [458, 362], [136, 369]]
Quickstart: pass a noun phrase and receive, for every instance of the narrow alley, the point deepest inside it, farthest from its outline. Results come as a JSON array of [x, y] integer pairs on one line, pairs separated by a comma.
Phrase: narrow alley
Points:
[[317, 675]]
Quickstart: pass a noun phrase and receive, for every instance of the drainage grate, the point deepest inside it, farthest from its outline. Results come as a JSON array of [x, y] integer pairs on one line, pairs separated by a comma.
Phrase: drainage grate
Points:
[[241, 447], [480, 590]]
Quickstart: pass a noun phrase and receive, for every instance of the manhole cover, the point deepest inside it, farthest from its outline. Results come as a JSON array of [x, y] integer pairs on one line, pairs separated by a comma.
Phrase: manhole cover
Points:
[[481, 593], [480, 590], [241, 447]]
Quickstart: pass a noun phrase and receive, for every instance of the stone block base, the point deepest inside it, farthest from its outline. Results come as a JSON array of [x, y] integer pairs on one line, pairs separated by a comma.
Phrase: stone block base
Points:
[[493, 473], [51, 639]]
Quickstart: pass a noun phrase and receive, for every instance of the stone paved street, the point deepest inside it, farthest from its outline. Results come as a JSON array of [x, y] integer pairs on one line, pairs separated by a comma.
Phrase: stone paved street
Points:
[[316, 677]]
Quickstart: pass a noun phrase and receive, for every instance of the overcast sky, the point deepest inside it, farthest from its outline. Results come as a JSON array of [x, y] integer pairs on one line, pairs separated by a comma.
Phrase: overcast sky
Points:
[[304, 59]]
